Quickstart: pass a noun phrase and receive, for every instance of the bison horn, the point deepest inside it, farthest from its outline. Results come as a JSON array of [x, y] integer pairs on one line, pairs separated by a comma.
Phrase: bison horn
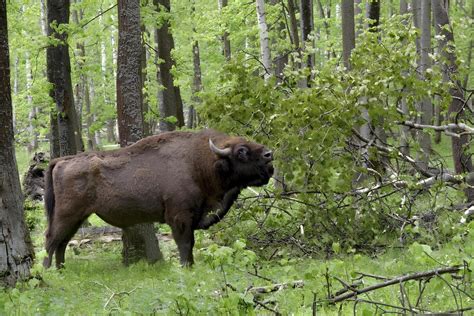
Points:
[[220, 152]]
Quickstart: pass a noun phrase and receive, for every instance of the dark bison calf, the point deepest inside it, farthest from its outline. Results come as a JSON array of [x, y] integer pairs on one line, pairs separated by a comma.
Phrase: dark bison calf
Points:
[[187, 180]]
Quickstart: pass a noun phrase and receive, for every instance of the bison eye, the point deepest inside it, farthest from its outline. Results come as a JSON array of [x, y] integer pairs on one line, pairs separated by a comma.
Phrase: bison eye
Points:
[[243, 153]]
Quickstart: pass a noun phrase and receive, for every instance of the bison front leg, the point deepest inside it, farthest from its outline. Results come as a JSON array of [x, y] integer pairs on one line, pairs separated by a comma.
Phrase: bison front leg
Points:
[[183, 235]]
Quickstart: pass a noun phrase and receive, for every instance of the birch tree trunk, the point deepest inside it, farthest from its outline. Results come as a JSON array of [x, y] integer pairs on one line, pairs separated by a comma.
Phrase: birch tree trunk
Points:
[[139, 241], [16, 250], [264, 39], [461, 158]]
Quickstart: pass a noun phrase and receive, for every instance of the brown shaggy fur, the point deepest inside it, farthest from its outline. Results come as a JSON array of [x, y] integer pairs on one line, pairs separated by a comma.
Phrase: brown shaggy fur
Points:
[[172, 178]]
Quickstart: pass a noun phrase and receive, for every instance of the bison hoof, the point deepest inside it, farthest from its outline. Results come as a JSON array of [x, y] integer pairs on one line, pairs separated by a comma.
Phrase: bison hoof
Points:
[[46, 263], [187, 264]]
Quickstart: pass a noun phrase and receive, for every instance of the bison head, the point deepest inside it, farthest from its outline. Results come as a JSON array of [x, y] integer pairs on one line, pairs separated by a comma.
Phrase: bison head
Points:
[[244, 163]]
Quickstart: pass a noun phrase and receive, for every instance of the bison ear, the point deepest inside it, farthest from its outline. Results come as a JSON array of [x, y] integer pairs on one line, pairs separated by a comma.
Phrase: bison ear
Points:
[[243, 153]]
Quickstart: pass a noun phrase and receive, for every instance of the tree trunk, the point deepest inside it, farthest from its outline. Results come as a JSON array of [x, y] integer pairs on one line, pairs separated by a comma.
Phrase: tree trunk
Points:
[[225, 36], [59, 74], [348, 32], [404, 130], [54, 148], [322, 15], [146, 122], [139, 241], [33, 142], [294, 37], [307, 26], [172, 104], [381, 137], [264, 39], [281, 60], [366, 129], [197, 85], [425, 108], [91, 140], [462, 159], [16, 250], [81, 86]]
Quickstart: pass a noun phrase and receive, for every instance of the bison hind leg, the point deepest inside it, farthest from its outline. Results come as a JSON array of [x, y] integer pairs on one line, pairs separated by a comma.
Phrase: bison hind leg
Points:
[[57, 238], [61, 249]]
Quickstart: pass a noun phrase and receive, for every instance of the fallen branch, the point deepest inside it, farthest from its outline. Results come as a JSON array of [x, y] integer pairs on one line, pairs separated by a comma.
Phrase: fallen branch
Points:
[[397, 280], [264, 305], [451, 129], [276, 287], [425, 183]]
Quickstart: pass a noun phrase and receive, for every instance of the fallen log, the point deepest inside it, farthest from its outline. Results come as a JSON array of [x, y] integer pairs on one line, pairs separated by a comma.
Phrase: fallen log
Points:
[[275, 287]]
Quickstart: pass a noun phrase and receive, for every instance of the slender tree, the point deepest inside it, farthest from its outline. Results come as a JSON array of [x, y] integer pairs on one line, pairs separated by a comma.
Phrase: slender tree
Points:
[[139, 241], [307, 27], [59, 74], [404, 130], [264, 39], [197, 80], [425, 107], [32, 115], [16, 251], [225, 36], [172, 104], [82, 95], [348, 31], [456, 111]]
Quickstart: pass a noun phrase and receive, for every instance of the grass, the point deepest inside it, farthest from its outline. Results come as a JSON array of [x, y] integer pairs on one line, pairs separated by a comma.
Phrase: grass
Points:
[[95, 281]]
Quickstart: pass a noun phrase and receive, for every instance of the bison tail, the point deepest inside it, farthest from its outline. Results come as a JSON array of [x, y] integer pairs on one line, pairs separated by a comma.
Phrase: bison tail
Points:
[[49, 194]]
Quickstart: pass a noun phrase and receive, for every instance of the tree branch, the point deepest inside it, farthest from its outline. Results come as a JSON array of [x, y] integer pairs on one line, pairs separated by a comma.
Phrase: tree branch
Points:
[[452, 129], [397, 280], [276, 287]]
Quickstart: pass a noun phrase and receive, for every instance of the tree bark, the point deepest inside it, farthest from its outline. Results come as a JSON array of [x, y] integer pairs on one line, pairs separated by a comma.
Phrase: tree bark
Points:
[[59, 74], [16, 250], [225, 36], [139, 241], [197, 85], [348, 31], [404, 130], [294, 37], [146, 122], [462, 160], [172, 103], [264, 39], [33, 142], [281, 60], [425, 108], [307, 26]]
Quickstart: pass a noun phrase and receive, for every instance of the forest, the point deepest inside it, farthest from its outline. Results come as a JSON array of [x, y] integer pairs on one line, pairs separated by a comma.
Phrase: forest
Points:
[[366, 108]]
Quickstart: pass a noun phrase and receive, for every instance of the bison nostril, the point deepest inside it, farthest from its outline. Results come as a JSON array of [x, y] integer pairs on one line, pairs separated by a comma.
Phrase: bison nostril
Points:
[[268, 155]]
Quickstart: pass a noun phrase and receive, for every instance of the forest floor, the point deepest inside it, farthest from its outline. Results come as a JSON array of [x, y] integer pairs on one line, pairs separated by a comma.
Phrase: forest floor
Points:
[[229, 281]]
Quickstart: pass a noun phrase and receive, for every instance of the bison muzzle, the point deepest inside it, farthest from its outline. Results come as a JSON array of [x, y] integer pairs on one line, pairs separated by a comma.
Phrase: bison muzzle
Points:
[[188, 180]]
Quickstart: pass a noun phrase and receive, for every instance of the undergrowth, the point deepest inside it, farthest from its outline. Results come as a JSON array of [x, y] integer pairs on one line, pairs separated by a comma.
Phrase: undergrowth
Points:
[[94, 281]]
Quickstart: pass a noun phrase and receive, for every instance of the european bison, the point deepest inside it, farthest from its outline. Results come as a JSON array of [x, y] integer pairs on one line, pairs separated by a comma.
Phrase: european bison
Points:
[[178, 178]]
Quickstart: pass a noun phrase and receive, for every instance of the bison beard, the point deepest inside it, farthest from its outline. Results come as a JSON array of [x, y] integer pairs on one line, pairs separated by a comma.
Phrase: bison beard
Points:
[[187, 180]]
